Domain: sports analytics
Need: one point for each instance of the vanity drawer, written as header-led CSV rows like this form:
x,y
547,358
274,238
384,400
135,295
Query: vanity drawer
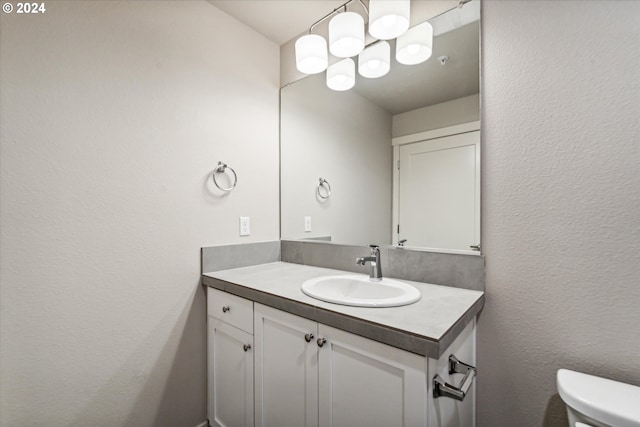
x,y
230,309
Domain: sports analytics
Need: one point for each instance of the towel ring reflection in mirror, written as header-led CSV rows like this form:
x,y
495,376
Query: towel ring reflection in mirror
x,y
324,184
221,168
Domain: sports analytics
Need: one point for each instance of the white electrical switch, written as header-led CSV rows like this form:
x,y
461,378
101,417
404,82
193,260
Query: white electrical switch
x,y
307,224
245,226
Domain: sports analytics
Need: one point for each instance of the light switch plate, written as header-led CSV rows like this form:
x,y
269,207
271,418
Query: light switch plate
x,y
245,226
307,224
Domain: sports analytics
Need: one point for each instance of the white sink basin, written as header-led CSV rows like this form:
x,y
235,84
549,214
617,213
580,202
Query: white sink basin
x,y
359,291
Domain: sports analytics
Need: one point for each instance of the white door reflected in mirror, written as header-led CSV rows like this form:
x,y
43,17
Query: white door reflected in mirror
x,y
439,192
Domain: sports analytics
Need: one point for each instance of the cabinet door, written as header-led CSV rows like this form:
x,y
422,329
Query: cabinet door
x,y
230,377
286,368
369,384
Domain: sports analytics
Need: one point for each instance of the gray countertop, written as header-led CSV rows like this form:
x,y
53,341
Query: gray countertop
x,y
426,327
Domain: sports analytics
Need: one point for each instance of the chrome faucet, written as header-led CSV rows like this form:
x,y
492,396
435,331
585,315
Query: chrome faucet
x,y
375,274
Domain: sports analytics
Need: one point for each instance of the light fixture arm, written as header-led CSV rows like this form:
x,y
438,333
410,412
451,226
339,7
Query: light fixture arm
x,y
364,6
335,11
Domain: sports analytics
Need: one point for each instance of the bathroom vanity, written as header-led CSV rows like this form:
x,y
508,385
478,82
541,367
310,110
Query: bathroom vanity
x,y
391,162
278,357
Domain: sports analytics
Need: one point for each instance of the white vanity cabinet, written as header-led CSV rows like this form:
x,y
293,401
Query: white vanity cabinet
x,y
230,360
302,373
309,374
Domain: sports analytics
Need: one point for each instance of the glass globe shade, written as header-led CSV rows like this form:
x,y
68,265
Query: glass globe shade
x,y
311,54
341,75
388,18
375,61
346,34
415,46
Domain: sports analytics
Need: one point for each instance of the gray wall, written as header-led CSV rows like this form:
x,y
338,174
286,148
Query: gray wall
x,y
450,113
113,116
345,139
561,202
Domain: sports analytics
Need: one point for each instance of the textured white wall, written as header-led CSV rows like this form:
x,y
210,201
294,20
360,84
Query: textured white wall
x,y
561,202
345,139
114,113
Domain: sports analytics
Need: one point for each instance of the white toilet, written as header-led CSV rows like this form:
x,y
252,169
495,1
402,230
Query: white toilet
x,y
598,402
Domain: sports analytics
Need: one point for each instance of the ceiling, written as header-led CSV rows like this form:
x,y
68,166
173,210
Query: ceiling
x,y
278,20
407,87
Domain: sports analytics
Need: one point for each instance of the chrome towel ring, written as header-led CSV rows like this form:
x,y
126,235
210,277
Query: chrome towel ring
x,y
327,189
221,168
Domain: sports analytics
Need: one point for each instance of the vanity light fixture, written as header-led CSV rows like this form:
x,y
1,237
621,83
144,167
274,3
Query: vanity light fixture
x,y
388,18
341,75
375,60
415,46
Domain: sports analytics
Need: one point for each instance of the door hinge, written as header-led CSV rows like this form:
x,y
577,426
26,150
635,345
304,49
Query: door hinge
x,y
398,164
398,228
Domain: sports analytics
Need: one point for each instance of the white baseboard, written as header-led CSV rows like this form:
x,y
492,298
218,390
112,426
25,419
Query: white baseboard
x,y
203,424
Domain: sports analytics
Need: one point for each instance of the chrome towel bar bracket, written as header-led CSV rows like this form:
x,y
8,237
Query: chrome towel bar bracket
x,y
441,388
221,168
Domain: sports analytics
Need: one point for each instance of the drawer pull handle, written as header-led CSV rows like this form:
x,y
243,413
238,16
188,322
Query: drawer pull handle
x,y
308,337
441,388
226,308
246,347
321,341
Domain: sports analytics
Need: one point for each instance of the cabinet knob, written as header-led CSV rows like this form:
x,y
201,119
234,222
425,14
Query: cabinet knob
x,y
308,337
321,341
246,347
226,308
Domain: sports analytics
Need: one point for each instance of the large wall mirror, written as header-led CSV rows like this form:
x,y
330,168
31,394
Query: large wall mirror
x,y
394,159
